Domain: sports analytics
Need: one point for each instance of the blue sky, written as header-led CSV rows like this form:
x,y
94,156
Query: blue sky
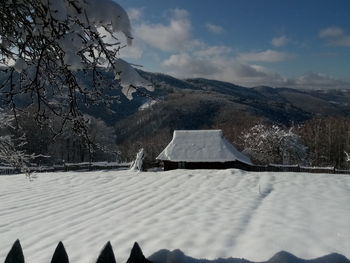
x,y
299,43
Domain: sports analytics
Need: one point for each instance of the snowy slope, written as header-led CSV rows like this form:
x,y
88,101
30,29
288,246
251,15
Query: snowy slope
x,y
206,214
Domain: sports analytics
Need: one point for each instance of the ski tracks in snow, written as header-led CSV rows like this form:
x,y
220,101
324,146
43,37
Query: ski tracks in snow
x,y
260,187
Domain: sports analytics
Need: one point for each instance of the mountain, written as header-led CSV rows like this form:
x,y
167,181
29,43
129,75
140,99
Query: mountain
x,y
201,101
202,104
281,105
151,117
204,98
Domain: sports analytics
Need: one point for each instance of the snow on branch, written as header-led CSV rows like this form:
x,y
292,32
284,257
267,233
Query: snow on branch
x,y
274,144
55,56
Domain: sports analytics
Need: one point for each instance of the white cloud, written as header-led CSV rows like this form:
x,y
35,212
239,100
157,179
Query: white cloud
x,y
135,14
343,41
135,51
175,36
216,29
224,67
331,32
335,36
186,65
265,56
212,51
188,57
279,41
314,80
220,67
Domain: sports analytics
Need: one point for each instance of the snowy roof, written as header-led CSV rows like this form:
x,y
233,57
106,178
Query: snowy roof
x,y
201,146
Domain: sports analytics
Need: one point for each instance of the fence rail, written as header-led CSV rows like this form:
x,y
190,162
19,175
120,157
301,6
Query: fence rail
x,y
66,168
296,169
112,166
60,255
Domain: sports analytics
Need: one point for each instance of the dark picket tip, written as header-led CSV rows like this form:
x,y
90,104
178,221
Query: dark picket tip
x,y
106,255
60,255
136,255
16,254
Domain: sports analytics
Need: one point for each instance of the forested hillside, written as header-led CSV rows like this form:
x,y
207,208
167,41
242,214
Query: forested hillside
x,y
120,128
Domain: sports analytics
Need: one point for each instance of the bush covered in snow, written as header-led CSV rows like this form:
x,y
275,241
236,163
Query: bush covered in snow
x,y
273,144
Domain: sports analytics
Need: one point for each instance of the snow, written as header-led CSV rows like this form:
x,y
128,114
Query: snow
x,y
88,23
20,65
103,12
95,12
130,79
205,213
347,156
147,105
201,146
137,163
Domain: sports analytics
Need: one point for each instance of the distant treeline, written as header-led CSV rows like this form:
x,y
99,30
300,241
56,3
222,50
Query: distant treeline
x,y
323,142
320,142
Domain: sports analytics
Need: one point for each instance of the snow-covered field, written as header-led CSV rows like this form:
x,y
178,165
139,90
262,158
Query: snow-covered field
x,y
206,214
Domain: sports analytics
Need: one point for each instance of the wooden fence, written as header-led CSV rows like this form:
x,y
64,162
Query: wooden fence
x,y
295,169
136,256
112,166
9,170
60,255
66,168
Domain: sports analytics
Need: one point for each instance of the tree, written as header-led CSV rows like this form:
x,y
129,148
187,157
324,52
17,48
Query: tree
x,y
273,145
104,140
67,146
326,139
11,153
45,44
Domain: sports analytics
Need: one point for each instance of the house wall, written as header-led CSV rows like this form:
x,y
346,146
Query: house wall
x,y
170,165
204,165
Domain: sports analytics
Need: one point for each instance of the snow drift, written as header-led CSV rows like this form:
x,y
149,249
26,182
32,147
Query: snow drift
x,y
205,213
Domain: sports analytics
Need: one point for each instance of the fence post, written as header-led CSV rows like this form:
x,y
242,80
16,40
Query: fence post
x,y
136,255
16,254
60,254
106,255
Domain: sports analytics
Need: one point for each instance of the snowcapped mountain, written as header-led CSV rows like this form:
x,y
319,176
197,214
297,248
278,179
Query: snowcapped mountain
x,y
205,98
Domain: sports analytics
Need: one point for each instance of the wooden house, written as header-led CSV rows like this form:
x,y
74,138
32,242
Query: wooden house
x,y
202,149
